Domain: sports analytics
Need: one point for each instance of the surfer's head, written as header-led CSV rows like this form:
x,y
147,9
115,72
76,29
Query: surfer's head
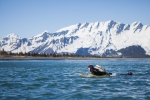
x,y
129,73
90,67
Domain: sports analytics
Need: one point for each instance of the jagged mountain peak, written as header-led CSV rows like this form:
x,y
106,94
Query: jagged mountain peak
x,y
110,21
85,24
72,27
41,34
136,24
12,35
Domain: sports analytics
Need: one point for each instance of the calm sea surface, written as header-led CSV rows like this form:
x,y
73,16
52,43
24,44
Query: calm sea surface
x,y
59,79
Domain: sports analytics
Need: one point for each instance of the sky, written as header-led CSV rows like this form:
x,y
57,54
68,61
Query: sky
x,y
28,18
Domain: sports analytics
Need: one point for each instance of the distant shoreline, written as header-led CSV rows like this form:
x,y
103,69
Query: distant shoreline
x,y
60,58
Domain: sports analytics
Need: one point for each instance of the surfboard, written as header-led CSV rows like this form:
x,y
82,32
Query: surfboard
x,y
94,76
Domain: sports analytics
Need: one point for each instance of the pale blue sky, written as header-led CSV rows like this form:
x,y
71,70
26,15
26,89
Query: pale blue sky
x,y
27,18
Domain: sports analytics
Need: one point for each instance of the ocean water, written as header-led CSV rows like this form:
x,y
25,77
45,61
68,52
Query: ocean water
x,y
60,80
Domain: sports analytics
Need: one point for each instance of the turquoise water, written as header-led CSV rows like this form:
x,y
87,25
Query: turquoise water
x,y
59,79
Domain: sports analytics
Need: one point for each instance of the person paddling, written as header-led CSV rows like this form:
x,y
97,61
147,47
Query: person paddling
x,y
100,71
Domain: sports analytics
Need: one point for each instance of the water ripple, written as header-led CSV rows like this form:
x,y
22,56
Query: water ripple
x,y
59,79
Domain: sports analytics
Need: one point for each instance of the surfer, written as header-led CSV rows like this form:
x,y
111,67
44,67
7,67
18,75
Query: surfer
x,y
100,71
97,70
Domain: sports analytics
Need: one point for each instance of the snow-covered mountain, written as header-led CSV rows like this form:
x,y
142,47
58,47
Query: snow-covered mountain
x,y
97,38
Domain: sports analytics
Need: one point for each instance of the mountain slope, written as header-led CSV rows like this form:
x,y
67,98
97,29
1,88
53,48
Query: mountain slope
x,y
86,38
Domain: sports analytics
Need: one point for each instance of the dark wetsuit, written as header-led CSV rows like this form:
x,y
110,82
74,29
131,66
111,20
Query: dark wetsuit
x,y
95,71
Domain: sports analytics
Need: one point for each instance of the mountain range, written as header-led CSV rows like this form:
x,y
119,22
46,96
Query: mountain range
x,y
110,39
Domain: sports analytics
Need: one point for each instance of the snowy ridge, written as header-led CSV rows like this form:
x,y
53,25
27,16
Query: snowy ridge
x,y
96,38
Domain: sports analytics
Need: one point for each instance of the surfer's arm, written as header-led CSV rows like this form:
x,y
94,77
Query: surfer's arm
x,y
97,72
129,73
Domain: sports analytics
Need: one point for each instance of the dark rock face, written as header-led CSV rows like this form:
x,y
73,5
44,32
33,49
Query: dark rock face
x,y
110,53
133,51
83,51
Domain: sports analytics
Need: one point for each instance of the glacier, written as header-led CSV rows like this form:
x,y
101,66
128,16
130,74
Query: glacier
x,y
96,38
